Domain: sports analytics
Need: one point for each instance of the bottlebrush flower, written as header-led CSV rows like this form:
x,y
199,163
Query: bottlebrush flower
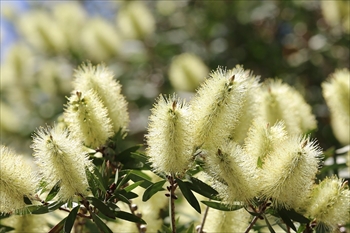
x,y
61,158
281,102
263,139
100,79
16,181
329,203
336,92
216,107
169,144
233,171
289,171
249,108
227,221
87,119
186,72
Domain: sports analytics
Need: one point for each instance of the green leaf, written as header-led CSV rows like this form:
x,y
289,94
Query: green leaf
x,y
100,224
201,188
55,205
101,184
294,215
132,186
301,228
268,224
129,195
138,175
165,229
221,206
124,178
153,189
116,176
68,224
286,219
125,155
53,192
186,191
129,217
94,181
59,227
4,229
122,198
4,215
190,229
38,209
102,207
27,200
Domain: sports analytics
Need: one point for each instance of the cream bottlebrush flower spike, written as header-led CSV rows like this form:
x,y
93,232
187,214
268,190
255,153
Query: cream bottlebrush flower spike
x,y
216,107
87,119
100,79
233,171
16,181
281,102
170,147
329,203
61,158
263,139
249,108
227,221
336,91
289,172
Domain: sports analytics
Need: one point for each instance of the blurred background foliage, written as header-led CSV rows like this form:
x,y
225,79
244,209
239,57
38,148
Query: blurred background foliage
x,y
158,47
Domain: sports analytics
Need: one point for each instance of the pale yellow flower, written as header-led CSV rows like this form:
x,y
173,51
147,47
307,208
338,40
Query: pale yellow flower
x,y
227,221
329,203
233,171
280,102
135,21
87,119
289,172
61,158
100,79
186,72
16,181
336,92
169,144
217,105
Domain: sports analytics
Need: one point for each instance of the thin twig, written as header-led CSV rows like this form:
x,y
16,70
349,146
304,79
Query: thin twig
x,y
172,198
251,224
260,212
204,218
132,209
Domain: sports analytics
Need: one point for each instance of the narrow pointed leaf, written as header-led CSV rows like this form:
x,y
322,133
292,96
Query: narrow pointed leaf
x,y
153,189
129,217
286,219
102,207
190,229
59,227
116,176
191,199
132,186
100,224
55,205
53,192
294,215
221,206
268,224
4,228
27,200
124,155
201,188
68,224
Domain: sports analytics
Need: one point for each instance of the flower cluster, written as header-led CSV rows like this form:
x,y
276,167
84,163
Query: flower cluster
x,y
96,109
251,137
